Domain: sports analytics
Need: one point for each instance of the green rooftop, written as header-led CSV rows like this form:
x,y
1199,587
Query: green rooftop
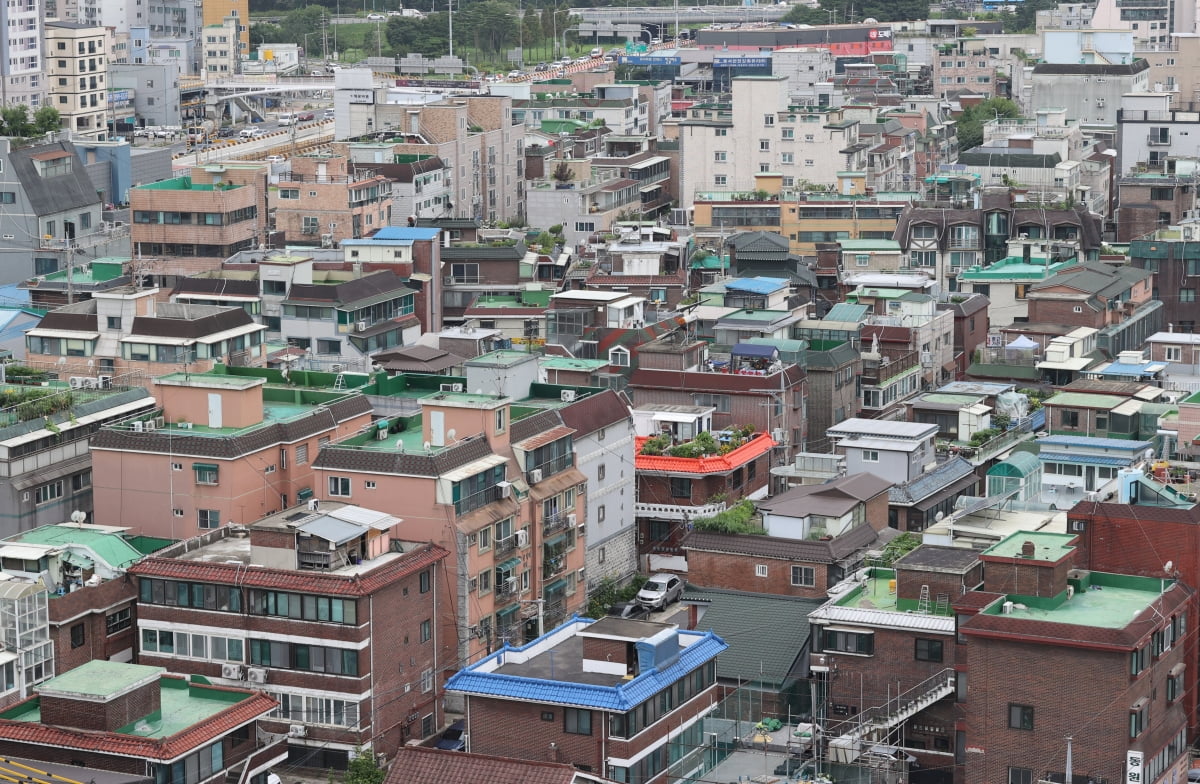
x,y
183,704
1106,601
571,363
1015,268
99,271
875,594
108,545
1047,547
855,245
501,357
186,184
1084,400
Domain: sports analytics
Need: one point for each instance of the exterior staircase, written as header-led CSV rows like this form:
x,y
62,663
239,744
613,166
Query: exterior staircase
x,y
874,724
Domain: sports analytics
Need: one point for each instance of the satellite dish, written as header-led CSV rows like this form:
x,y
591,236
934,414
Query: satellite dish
x,y
452,434
79,516
427,446
1168,566
937,518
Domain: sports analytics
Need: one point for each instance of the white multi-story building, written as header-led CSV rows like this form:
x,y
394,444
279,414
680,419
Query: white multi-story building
x,y
21,72
727,146
77,72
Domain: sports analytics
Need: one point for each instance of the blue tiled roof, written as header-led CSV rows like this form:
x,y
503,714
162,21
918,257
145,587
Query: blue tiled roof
x,y
1120,444
621,697
1061,457
758,285
846,311
406,233
1126,369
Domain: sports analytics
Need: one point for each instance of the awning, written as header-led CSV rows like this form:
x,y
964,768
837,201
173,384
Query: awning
x,y
217,337
647,163
205,467
157,340
1128,408
507,611
754,350
62,333
557,540
22,552
650,188
78,559
509,565
557,484
557,585
473,468
424,277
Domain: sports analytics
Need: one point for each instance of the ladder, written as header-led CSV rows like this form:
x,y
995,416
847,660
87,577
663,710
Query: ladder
x,y
340,382
923,602
943,604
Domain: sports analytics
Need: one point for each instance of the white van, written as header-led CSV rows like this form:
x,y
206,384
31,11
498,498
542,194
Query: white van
x,y
250,133
287,119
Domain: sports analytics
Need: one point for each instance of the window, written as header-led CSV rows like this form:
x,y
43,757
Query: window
x,y
681,487
848,642
1068,418
1020,776
1137,718
118,621
426,681
928,650
870,456
619,357
804,576
8,197
1175,686
339,485
301,454
1020,717
48,492
1173,354
424,581
720,156
329,346
862,259
577,721
1187,295
500,419
760,570
208,518
922,258
206,473
924,231
426,630
78,635
764,145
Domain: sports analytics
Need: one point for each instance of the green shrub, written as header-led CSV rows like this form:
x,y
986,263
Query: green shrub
x,y
609,592
737,519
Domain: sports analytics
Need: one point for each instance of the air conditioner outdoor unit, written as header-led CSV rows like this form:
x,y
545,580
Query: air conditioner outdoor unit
x,y
511,583
535,476
360,326
473,585
151,425
505,490
456,387
567,396
160,422
139,426
231,671
256,675
297,731
572,519
446,387
779,435
91,383
105,382
522,538
76,382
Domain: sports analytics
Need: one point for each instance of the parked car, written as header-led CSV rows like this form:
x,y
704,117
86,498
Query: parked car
x,y
250,133
376,17
514,74
329,115
452,737
306,116
276,158
227,132
629,610
660,590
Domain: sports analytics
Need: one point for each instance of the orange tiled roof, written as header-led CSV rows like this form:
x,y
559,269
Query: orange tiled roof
x,y
716,464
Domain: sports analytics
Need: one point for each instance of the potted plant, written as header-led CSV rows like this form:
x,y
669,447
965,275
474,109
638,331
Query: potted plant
x,y
562,175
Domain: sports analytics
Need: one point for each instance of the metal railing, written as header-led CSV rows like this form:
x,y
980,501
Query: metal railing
x,y
478,499
554,522
553,466
554,565
506,545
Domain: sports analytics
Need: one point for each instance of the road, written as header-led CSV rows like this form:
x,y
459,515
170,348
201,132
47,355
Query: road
x,y
221,152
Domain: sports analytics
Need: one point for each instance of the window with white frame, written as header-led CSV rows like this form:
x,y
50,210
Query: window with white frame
x,y
760,570
804,576
870,456
619,356
339,485
1173,353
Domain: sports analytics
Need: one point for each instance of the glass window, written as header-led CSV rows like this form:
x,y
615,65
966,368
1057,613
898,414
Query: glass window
x,y
1020,717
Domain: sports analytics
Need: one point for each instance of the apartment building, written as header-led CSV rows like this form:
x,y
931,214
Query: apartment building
x,y
1153,200
1007,282
504,495
476,135
323,199
727,145
291,605
125,334
1116,300
23,81
963,66
77,75
215,732
29,656
222,447
1141,653
1174,261
625,699
192,223
1094,92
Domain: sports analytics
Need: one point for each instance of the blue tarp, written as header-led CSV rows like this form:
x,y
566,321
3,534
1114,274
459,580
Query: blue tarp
x,y
754,350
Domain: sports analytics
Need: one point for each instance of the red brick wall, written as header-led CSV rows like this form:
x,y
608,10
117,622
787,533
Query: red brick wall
x,y
516,729
910,581
109,716
1063,312
91,606
736,573
867,681
1027,579
608,650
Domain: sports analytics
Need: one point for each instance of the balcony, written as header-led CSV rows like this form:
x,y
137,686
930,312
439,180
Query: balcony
x,y
552,566
506,589
478,499
677,511
550,467
1158,140
505,546
462,280
555,522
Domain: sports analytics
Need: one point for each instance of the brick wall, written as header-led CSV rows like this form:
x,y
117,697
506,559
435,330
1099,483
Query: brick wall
x,y
867,681
910,581
90,606
518,729
1056,311
737,573
608,650
106,717
1027,579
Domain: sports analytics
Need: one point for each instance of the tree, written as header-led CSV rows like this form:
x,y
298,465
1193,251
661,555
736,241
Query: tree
x,y
363,769
46,120
970,122
490,26
14,121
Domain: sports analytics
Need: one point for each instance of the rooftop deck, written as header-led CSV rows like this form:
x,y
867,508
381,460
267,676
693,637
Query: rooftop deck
x,y
1107,601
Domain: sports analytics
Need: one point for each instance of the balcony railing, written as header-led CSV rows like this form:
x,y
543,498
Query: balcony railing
x,y
477,499
505,588
506,545
1155,140
553,566
551,467
555,522
462,280
554,613
677,511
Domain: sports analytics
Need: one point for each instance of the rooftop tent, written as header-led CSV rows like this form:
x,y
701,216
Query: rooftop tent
x,y
755,351
1022,343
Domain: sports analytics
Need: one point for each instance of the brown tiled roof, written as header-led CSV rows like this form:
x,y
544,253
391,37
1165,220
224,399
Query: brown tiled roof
x,y
593,412
233,446
255,705
801,550
382,461
721,382
833,498
241,288
206,324
543,438
534,424
324,583
416,765
351,291
976,600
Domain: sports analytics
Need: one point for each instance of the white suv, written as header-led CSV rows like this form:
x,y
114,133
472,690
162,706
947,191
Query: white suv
x,y
660,590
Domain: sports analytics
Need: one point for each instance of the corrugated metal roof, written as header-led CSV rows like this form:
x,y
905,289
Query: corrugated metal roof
x,y
757,285
1094,442
1086,459
832,613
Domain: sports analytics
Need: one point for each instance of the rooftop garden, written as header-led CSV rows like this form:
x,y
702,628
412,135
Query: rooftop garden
x,y
703,445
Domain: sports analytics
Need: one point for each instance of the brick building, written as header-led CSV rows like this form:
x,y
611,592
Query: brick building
x,y
331,610
136,719
416,765
1115,299
1175,261
1129,634
971,324
223,447
323,199
503,494
674,489
624,699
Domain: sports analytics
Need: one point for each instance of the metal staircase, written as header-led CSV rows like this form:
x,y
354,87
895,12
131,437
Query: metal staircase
x,y
874,724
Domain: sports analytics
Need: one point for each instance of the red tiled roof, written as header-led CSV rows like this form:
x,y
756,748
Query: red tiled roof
x,y
417,765
717,464
180,744
290,579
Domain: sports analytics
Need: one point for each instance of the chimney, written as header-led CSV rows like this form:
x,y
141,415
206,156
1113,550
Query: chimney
x,y
1027,549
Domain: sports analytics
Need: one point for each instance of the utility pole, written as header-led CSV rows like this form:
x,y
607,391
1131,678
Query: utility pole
x,y
72,244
